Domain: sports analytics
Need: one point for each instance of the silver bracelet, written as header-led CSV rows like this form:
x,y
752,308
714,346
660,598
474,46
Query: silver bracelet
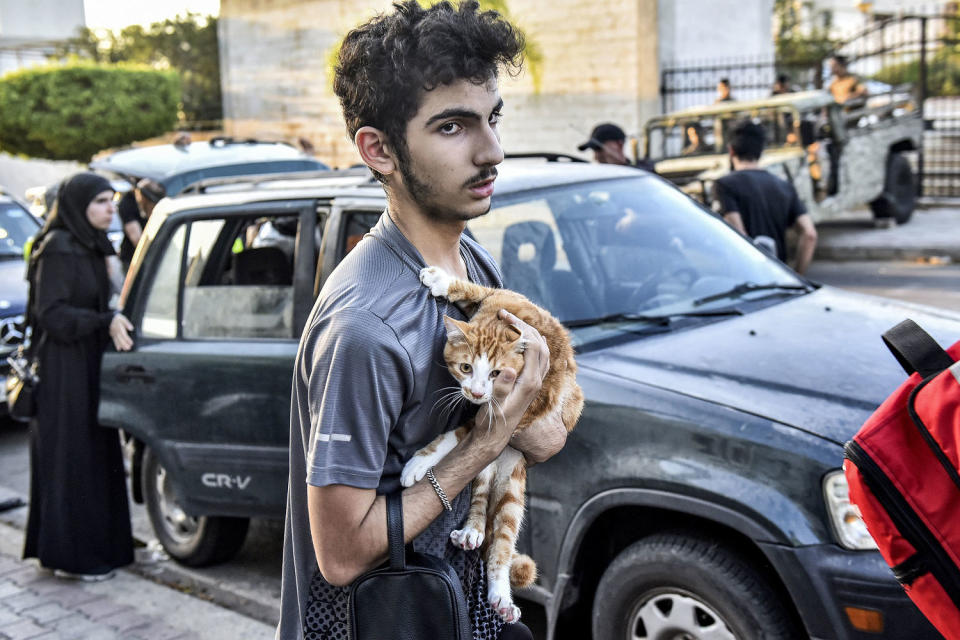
x,y
436,487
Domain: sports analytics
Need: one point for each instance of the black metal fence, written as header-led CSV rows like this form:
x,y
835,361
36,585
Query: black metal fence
x,y
916,53
695,84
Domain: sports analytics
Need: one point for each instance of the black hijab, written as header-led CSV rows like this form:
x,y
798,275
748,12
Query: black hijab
x,y
70,213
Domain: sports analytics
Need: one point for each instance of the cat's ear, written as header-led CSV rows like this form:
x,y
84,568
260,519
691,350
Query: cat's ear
x,y
454,330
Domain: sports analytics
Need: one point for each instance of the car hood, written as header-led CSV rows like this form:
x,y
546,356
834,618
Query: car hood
x,y
816,362
13,287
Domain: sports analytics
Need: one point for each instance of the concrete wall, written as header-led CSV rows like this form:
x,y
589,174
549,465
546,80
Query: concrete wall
x,y
274,67
601,62
28,28
41,20
695,31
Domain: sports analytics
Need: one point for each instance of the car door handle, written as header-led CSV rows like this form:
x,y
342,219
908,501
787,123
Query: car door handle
x,y
127,372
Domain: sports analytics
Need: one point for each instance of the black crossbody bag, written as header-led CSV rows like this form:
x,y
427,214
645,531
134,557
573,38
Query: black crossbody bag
x,y
413,597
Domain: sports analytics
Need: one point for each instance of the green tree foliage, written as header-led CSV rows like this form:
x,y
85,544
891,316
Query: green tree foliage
x,y
71,112
801,42
943,63
187,44
943,73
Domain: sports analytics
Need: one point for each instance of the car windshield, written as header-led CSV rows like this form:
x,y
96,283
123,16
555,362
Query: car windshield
x,y
625,250
16,227
704,135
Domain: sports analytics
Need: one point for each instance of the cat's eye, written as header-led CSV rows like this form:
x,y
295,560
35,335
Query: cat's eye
x,y
465,368
495,373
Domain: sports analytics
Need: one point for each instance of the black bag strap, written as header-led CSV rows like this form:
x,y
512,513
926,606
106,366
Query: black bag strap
x,y
398,559
915,350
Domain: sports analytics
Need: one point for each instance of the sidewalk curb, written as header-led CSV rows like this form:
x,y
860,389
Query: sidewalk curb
x,y
166,573
172,575
852,253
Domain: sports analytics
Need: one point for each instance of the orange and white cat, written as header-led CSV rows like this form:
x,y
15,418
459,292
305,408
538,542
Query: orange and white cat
x,y
475,353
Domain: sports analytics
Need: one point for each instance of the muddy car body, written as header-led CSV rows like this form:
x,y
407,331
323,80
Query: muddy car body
x,y
838,158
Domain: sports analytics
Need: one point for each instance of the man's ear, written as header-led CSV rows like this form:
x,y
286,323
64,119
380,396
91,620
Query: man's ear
x,y
454,330
374,150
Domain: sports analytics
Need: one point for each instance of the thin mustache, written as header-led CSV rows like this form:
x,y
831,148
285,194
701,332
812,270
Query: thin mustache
x,y
483,176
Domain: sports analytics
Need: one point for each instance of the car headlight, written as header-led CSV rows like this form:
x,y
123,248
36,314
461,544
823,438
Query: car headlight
x,y
848,526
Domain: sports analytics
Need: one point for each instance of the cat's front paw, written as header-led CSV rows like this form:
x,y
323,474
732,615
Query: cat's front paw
x,y
437,280
467,538
503,605
415,470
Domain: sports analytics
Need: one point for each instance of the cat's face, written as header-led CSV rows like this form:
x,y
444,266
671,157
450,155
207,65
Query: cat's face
x,y
476,353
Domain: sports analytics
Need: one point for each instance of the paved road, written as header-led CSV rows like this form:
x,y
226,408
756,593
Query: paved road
x,y
919,282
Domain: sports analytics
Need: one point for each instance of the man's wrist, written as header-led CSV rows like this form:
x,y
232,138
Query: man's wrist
x,y
487,443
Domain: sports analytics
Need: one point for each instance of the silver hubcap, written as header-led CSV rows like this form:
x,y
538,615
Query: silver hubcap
x,y
178,525
672,615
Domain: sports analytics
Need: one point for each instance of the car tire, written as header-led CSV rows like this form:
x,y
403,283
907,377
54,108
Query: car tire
x,y
193,541
688,584
899,197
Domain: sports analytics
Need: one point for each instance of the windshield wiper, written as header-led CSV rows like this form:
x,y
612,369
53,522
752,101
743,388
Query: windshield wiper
x,y
657,319
749,287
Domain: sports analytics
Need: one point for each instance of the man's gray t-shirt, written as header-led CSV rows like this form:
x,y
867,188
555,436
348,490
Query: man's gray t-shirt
x,y
368,380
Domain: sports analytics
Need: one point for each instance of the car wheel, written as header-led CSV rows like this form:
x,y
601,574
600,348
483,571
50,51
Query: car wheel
x,y
195,541
682,586
899,197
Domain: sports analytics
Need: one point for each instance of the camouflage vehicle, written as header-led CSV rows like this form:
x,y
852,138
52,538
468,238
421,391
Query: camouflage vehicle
x,y
836,157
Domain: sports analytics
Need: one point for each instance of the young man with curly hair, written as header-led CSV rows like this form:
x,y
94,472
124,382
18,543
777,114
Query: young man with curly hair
x,y
418,88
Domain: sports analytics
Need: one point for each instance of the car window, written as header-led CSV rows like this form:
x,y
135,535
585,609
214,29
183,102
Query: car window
x,y
239,278
622,246
697,135
358,224
16,227
160,313
236,277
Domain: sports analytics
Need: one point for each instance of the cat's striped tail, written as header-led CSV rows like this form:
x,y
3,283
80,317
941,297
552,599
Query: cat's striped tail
x,y
523,571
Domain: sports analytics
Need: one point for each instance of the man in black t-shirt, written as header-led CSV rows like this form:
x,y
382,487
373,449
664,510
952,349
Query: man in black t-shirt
x,y
760,205
135,207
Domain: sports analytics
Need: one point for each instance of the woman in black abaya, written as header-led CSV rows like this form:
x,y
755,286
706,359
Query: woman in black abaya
x,y
79,522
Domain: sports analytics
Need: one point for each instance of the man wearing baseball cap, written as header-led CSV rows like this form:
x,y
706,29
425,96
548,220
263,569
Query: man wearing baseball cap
x,y
607,142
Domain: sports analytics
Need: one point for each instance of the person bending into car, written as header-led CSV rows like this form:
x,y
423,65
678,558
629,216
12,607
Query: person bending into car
x,y
79,520
419,93
607,141
135,208
760,205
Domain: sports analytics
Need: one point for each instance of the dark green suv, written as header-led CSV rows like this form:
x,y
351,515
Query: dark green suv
x,y
701,492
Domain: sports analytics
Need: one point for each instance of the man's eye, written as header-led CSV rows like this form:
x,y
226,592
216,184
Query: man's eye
x,y
495,373
466,368
450,128
495,117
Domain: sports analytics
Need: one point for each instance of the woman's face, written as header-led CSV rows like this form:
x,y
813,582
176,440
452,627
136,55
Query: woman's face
x,y
100,210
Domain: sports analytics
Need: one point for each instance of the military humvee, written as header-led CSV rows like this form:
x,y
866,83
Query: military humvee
x,y
837,157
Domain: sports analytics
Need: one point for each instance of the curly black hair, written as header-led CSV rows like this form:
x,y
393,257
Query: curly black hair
x,y
386,63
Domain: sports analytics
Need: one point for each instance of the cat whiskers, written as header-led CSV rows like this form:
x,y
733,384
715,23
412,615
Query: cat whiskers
x,y
447,402
493,405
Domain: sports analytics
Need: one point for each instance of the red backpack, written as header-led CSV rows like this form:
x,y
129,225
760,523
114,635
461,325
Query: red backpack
x,y
901,467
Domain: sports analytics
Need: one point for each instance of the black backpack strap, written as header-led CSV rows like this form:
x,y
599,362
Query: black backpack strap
x,y
915,350
398,559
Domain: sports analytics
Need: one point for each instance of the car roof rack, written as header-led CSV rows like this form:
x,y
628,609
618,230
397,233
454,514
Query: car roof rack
x,y
255,181
546,155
